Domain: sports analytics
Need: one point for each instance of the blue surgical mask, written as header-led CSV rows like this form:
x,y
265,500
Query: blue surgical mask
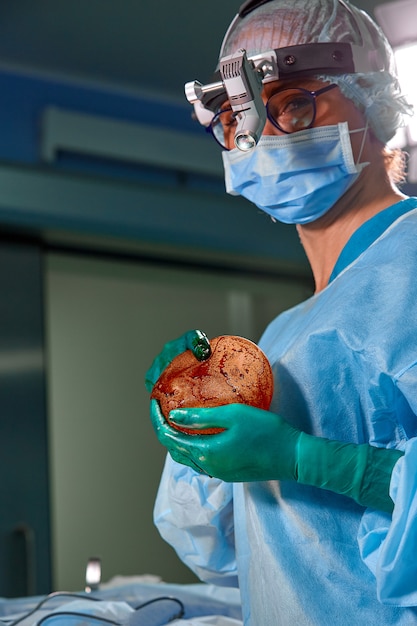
x,y
295,178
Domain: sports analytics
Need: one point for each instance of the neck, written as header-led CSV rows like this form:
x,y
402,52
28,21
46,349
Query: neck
x,y
324,239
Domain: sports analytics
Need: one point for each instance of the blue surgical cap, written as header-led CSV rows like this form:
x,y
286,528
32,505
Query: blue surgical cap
x,y
280,23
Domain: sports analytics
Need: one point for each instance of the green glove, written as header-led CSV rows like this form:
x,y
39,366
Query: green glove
x,y
194,340
259,445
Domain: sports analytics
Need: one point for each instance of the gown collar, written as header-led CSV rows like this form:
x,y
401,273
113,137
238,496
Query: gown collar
x,y
369,232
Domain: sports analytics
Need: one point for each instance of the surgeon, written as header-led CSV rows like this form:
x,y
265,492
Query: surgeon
x,y
310,507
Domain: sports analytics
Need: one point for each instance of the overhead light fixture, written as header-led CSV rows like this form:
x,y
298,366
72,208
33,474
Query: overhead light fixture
x,y
406,61
398,20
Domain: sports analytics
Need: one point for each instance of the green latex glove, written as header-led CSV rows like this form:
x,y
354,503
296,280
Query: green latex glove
x,y
258,445
194,340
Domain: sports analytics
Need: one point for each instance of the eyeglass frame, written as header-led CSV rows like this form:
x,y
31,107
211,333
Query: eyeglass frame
x,y
313,94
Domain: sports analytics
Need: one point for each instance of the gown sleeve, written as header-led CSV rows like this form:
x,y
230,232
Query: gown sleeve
x,y
388,545
194,514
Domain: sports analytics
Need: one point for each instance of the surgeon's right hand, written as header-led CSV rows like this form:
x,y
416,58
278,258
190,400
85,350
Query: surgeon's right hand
x,y
194,340
275,450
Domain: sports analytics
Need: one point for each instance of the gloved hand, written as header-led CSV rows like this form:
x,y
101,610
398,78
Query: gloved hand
x,y
194,340
258,445
255,445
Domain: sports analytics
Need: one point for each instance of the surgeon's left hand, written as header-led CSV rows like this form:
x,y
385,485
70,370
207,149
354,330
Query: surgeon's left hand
x,y
254,445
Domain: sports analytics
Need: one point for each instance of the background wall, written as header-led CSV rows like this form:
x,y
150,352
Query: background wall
x,y
155,47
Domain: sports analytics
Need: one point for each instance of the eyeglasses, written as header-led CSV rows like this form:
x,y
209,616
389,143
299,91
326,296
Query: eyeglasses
x,y
289,110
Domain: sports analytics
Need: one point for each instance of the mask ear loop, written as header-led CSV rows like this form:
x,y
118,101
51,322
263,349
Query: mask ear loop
x,y
365,131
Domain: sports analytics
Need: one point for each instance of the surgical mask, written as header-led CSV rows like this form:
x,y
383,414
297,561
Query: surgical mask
x,y
295,178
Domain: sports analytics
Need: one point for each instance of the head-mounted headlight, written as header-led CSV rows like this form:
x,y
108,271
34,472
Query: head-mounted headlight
x,y
240,78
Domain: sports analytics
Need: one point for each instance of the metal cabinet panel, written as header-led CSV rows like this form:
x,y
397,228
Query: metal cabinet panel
x,y
24,503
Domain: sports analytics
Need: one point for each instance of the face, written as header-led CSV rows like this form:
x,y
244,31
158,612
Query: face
x,y
331,107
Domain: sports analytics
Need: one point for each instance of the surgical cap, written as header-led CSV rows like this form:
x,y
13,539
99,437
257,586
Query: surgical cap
x,y
281,23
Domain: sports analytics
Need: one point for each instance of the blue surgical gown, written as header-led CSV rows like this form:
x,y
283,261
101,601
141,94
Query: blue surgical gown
x,y
345,362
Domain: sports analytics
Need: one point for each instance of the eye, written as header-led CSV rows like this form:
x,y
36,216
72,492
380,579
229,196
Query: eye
x,y
227,117
223,126
293,105
291,110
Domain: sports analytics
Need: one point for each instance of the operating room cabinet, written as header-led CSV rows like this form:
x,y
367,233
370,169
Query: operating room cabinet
x,y
24,498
